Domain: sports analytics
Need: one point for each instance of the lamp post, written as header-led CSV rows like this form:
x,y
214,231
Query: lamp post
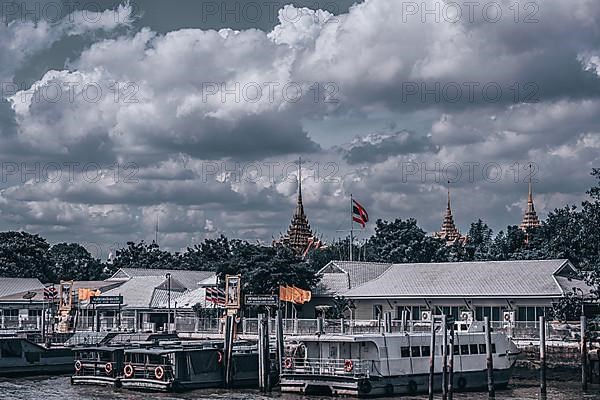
x,y
168,276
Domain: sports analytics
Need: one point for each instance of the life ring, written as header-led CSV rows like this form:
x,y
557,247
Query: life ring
x,y
159,372
348,366
365,387
108,368
462,383
128,371
288,363
78,366
412,387
219,357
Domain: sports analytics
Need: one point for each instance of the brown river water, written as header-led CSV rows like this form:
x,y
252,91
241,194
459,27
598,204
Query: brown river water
x,y
59,387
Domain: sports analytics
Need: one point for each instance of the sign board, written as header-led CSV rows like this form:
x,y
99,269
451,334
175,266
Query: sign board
x,y
232,291
106,300
261,300
66,295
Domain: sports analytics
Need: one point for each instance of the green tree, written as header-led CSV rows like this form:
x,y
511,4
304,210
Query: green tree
x,y
144,255
479,243
73,261
23,255
403,241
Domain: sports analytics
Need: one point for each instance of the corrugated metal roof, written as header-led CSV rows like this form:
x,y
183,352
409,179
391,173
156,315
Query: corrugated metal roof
x,y
465,279
190,298
189,279
10,286
139,291
339,276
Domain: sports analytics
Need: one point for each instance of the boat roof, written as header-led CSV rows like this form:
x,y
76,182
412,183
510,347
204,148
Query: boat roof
x,y
167,350
99,348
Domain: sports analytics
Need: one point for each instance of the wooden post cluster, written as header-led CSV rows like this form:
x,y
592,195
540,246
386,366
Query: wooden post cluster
x,y
584,355
264,372
489,358
432,359
543,392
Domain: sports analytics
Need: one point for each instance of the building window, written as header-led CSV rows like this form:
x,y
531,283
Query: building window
x,y
425,351
530,313
377,311
416,313
474,349
464,349
493,313
404,352
415,351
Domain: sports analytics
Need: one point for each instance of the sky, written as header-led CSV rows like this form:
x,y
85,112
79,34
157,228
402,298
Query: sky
x,y
114,116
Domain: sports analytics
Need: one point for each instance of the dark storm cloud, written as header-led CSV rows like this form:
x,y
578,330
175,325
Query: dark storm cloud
x,y
378,147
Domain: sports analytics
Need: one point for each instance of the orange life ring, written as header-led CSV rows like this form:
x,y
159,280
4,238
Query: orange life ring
x,y
108,368
159,372
288,363
219,357
128,371
348,366
78,366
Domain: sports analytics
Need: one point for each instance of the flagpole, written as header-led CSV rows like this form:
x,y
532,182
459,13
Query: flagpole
x,y
351,227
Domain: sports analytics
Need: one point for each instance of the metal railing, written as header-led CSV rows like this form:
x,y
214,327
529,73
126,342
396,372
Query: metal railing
x,y
329,367
148,371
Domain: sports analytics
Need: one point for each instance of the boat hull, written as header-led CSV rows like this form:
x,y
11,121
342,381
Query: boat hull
x,y
386,386
154,385
95,380
36,369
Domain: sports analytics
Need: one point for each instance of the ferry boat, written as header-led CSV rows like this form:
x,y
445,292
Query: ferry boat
x,y
21,356
187,366
98,365
394,363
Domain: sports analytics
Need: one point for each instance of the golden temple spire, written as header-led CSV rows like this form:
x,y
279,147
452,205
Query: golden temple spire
x,y
530,218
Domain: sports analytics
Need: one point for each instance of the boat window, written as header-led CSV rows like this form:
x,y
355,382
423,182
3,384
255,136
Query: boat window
x,y
425,351
404,352
105,356
415,351
474,349
156,359
493,347
464,349
482,349
456,350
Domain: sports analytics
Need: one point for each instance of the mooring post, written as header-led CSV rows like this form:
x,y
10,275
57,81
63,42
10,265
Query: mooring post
x,y
432,358
584,355
227,344
444,357
542,358
451,364
279,339
265,354
489,358
261,361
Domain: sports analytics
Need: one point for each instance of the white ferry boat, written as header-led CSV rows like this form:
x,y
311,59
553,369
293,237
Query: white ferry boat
x,y
394,363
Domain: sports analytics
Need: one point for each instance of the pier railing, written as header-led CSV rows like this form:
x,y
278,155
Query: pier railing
x,y
328,367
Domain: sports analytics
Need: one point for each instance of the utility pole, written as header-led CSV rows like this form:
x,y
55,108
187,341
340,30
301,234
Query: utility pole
x,y
168,276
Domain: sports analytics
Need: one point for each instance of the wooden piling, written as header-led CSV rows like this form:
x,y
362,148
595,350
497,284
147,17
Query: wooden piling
x,y
444,357
280,346
543,393
261,361
432,358
451,364
584,355
489,358
228,350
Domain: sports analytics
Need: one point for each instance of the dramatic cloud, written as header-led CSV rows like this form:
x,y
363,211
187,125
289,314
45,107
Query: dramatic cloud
x,y
203,126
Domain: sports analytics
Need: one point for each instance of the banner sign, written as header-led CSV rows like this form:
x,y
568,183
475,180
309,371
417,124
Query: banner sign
x,y
261,300
106,300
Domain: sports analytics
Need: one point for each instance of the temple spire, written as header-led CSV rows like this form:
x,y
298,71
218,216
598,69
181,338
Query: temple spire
x,y
449,232
530,218
299,233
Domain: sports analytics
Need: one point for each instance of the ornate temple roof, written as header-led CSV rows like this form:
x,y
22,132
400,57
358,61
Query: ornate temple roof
x,y
449,232
299,233
530,218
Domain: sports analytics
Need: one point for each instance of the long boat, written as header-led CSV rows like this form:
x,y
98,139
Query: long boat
x,y
391,364
21,356
98,365
187,366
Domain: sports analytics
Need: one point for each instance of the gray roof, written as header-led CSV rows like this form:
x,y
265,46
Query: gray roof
x,y
339,276
467,279
139,292
189,299
10,286
189,279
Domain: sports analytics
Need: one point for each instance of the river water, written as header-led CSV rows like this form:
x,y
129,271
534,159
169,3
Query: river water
x,y
59,387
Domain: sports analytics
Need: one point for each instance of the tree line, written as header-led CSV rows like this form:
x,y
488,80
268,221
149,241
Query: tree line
x,y
571,232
